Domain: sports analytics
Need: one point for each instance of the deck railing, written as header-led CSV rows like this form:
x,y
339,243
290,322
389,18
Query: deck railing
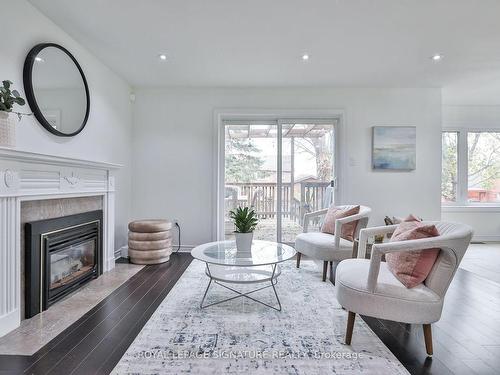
x,y
303,197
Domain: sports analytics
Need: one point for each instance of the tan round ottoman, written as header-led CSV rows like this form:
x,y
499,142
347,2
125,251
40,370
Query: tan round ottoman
x,y
149,241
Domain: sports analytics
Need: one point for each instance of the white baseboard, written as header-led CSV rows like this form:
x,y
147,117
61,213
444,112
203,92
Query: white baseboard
x,y
118,252
122,252
184,248
486,238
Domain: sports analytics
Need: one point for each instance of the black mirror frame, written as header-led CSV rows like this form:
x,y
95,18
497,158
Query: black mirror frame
x,y
30,95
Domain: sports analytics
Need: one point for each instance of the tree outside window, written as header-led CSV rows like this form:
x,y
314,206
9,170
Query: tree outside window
x,y
481,150
483,167
244,161
449,174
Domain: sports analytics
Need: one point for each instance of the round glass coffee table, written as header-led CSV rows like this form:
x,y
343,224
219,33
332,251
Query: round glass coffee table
x,y
226,265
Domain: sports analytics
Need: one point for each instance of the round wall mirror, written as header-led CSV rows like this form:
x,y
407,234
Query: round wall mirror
x,y
56,89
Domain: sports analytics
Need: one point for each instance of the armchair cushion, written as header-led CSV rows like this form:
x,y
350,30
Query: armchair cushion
x,y
390,300
335,213
412,268
322,246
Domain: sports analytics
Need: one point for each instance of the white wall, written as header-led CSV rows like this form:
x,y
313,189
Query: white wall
x,y
173,146
474,90
107,136
485,221
471,116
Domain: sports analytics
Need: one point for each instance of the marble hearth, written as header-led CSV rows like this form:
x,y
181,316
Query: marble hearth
x,y
37,186
36,332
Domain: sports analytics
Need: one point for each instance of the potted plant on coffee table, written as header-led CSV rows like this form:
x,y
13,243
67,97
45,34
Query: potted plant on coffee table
x,y
8,98
245,221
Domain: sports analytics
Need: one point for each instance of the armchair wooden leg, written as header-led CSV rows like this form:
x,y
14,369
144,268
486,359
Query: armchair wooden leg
x,y
350,327
299,255
333,270
428,339
325,269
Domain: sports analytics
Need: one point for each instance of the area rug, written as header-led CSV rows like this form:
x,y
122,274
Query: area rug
x,y
241,336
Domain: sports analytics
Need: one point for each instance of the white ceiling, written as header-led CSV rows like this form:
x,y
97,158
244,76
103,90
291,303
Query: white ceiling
x,y
354,43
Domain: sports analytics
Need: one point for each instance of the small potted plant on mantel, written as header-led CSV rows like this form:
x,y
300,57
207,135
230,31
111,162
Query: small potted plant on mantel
x,y
245,221
8,98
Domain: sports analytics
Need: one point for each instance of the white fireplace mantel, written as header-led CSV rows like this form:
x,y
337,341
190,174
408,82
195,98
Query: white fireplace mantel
x,y
33,176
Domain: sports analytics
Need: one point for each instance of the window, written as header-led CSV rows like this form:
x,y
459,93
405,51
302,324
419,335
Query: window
x,y
449,172
483,167
470,167
281,168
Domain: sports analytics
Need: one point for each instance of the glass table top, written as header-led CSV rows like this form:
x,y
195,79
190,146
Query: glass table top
x,y
225,253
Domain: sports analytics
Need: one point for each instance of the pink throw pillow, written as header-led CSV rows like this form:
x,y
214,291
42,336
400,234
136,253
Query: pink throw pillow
x,y
410,217
335,213
412,267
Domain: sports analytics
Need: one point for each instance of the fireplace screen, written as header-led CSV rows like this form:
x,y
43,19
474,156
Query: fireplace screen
x,y
62,254
71,263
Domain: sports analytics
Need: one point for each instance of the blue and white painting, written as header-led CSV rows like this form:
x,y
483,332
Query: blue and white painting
x,y
394,147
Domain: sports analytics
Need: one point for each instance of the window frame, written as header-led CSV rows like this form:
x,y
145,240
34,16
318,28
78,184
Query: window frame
x,y
462,204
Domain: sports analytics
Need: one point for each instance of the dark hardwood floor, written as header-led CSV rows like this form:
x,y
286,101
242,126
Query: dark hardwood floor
x,y
466,339
96,342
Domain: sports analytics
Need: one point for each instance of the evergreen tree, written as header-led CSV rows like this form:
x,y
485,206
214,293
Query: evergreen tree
x,y
243,162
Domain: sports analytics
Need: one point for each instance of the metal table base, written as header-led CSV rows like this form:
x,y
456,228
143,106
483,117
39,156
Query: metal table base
x,y
273,280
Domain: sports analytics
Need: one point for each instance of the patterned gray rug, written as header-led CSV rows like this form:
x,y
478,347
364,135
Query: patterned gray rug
x,y
242,336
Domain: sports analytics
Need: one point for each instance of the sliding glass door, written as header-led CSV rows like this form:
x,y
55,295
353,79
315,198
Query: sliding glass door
x,y
281,168
250,174
308,159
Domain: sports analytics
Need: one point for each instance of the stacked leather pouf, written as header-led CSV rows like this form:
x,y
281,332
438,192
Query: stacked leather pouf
x,y
149,241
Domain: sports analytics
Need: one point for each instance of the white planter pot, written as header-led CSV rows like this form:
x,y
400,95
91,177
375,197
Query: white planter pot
x,y
8,122
244,241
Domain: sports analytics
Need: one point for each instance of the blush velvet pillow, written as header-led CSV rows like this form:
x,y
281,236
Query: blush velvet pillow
x,y
335,213
412,267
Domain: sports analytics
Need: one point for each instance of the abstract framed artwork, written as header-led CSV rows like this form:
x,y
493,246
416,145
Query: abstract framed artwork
x,y
394,148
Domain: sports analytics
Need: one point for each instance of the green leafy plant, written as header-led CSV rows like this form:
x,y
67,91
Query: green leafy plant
x,y
9,97
245,219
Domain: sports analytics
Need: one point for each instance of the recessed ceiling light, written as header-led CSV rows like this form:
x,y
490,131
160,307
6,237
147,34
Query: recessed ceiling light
x,y
162,57
39,59
305,57
437,57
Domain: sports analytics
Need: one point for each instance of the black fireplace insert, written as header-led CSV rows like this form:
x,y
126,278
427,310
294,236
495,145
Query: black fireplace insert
x,y
62,254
